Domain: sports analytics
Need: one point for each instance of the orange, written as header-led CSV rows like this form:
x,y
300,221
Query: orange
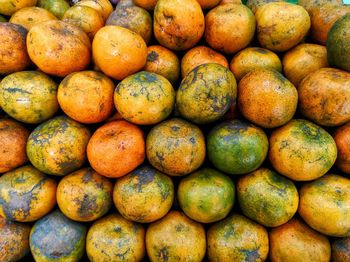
x,y
30,16
342,139
13,48
296,242
84,195
208,4
14,241
134,18
164,62
116,148
8,7
86,96
309,5
86,18
324,97
118,52
272,104
146,4
255,4
58,48
104,7
200,55
13,140
229,28
303,60
281,26
178,24
252,58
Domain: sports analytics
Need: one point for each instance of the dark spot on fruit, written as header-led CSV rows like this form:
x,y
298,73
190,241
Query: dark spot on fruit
x,y
250,255
68,165
152,56
175,128
179,228
144,176
163,254
87,177
117,229
121,256
87,206
261,50
13,90
192,140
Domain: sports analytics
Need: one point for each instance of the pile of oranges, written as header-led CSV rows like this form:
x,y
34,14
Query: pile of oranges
x,y
174,130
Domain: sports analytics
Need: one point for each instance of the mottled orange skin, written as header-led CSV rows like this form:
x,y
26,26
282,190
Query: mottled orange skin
x,y
145,195
134,18
324,97
267,197
175,238
178,24
13,140
57,146
252,58
223,2
229,28
311,4
146,4
280,25
296,242
84,17
58,48
237,238
86,96
113,238
104,7
272,104
14,241
30,16
342,139
208,4
13,48
176,147
118,52
8,7
341,250
255,4
200,55
162,61
301,150
325,205
303,60
152,97
84,195
26,194
116,148
322,19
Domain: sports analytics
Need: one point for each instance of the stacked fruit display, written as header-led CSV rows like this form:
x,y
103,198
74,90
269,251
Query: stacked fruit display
x,y
174,130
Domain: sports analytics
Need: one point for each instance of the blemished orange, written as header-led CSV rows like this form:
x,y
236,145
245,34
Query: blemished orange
x,y
201,55
178,24
104,7
86,18
163,61
58,48
229,28
119,52
13,140
116,148
342,139
86,96
30,16
13,48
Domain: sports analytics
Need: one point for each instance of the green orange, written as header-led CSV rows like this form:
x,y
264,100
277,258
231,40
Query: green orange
x,y
237,147
152,98
57,146
29,96
206,195
267,198
206,93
